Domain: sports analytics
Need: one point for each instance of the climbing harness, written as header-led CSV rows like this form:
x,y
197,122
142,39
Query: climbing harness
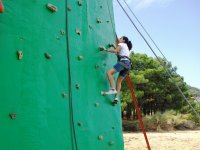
x,y
124,65
1,7
124,58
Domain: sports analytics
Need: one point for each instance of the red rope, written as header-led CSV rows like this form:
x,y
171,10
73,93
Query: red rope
x,y
1,7
138,110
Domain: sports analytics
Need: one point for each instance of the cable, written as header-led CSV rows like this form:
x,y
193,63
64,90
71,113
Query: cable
x,y
147,33
158,60
70,86
145,30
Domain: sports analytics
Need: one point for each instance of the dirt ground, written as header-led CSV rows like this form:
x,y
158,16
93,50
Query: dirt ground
x,y
176,140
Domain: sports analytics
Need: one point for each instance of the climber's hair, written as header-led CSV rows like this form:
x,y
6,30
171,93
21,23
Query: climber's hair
x,y
126,40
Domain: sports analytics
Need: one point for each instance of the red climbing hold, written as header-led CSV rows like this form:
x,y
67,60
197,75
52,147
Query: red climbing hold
x,y
1,7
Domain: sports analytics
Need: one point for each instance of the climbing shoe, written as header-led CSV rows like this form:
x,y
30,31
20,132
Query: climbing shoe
x,y
111,91
115,101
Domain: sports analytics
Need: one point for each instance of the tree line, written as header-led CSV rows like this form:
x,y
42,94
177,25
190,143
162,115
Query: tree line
x,y
154,89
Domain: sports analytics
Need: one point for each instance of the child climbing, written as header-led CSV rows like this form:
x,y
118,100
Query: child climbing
x,y
123,66
1,7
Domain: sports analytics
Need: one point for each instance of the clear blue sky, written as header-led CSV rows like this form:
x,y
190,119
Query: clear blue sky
x,y
174,25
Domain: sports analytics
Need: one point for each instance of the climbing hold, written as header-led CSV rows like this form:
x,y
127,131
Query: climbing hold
x,y
107,21
48,56
80,2
69,8
111,142
58,37
111,45
78,86
62,32
64,95
97,104
80,124
52,7
100,137
102,48
99,20
1,7
78,31
96,66
13,116
90,26
21,39
103,93
19,54
80,58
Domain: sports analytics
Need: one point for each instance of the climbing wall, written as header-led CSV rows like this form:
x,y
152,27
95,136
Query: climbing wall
x,y
97,122
34,85
52,75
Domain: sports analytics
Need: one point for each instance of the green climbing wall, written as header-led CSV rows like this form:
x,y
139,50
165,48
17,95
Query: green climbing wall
x,y
52,74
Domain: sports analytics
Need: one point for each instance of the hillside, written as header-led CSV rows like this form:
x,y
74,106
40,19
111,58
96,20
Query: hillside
x,y
194,91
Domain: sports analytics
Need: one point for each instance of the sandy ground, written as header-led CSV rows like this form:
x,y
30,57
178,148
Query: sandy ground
x,y
176,140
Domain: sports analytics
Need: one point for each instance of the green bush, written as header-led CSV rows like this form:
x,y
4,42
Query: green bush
x,y
167,121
